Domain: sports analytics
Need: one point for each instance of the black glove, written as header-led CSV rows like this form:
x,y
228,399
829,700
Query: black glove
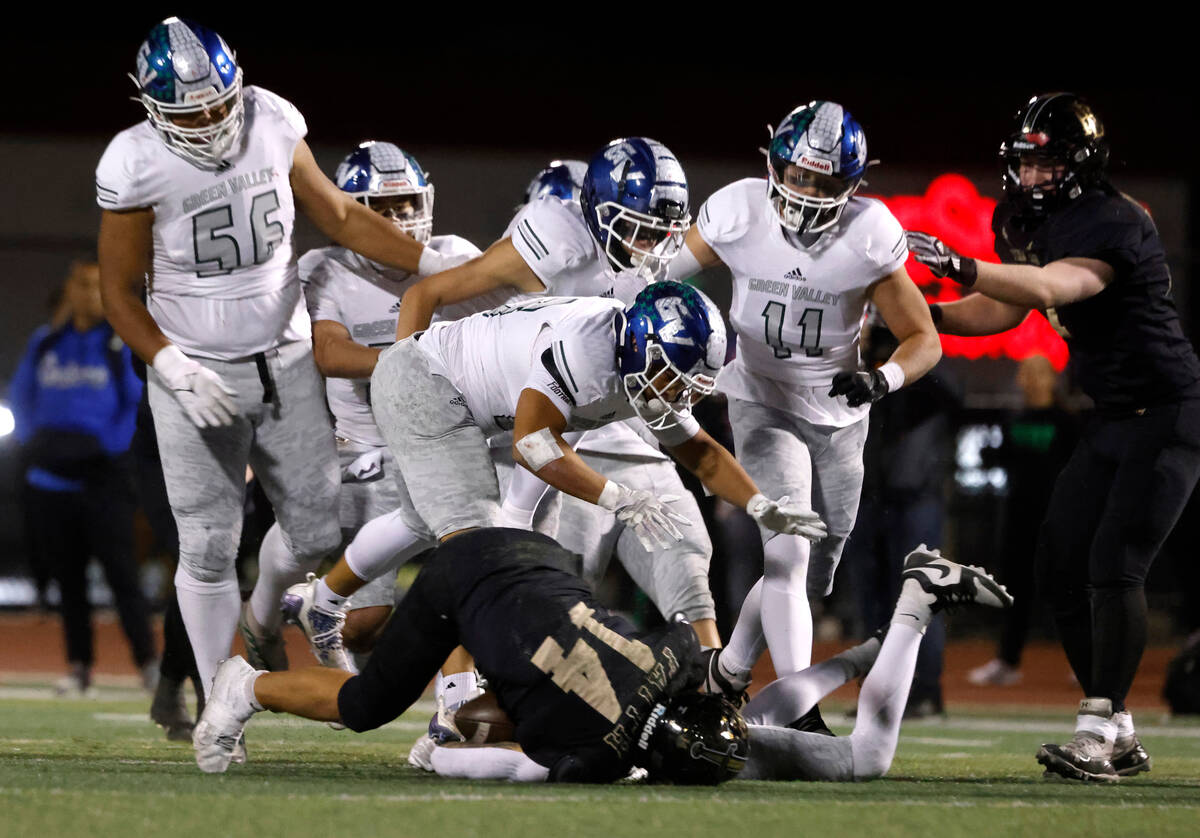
x,y
859,387
932,252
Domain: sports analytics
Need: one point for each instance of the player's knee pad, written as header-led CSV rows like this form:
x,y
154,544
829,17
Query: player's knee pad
x,y
317,541
683,588
822,564
206,553
786,560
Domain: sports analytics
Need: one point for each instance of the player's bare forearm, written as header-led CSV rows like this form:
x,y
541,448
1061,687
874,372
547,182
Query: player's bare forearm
x,y
124,248
338,356
976,315
1058,283
716,468
903,309
311,693
570,474
500,266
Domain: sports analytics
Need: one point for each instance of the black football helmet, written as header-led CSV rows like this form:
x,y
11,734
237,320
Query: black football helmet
x,y
694,740
1061,129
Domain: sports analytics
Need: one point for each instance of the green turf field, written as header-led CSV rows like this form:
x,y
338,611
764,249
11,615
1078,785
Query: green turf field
x,y
98,767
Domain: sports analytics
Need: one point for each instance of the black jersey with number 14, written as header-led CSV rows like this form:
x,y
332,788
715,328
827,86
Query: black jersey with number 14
x,y
577,681
1126,341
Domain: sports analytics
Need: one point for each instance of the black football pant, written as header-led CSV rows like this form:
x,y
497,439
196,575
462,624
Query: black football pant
x,y
67,529
416,641
1113,506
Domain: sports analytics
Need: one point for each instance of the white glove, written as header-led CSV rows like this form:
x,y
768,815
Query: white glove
x,y
786,517
204,396
651,520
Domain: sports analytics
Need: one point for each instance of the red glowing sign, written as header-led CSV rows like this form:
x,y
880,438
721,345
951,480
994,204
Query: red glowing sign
x,y
954,211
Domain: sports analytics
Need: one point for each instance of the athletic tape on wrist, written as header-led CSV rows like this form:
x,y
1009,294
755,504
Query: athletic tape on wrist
x,y
893,373
539,449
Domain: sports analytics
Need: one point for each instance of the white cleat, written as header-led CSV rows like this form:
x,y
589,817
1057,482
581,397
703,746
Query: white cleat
x,y
420,755
322,627
949,584
218,738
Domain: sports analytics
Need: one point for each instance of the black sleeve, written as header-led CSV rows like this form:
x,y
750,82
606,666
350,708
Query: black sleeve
x,y
1111,231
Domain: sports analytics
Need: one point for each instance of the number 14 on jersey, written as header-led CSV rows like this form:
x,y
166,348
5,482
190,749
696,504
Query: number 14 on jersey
x,y
810,330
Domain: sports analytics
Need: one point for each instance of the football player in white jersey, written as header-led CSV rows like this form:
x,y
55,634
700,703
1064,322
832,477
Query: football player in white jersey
x,y
352,301
807,255
198,207
676,579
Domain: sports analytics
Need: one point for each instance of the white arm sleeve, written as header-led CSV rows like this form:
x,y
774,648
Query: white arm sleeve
x,y
487,764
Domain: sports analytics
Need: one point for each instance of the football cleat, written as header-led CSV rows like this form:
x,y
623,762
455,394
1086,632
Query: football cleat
x,y
264,649
1129,757
811,722
1086,757
169,710
949,584
994,673
219,737
717,683
420,755
322,627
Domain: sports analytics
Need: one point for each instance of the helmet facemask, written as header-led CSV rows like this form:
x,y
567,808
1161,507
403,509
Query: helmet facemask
x,y
410,208
202,129
662,395
639,241
805,200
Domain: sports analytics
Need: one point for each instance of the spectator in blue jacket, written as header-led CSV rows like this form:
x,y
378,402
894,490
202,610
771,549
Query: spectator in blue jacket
x,y
74,398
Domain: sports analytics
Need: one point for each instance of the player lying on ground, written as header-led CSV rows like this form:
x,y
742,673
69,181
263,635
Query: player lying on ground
x,y
614,700
578,682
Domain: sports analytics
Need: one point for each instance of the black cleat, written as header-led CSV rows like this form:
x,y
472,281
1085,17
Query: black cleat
x,y
1129,757
1084,758
716,683
811,722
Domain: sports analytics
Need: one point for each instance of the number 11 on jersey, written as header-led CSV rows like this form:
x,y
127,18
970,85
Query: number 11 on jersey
x,y
810,330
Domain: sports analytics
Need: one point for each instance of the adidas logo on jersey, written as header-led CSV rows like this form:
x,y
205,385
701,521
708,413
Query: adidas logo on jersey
x,y
795,274
395,308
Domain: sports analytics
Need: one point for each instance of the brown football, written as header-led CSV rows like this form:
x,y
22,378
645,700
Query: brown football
x,y
481,720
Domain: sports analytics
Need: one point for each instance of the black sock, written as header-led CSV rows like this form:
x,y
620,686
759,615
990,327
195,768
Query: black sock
x,y
1073,616
178,662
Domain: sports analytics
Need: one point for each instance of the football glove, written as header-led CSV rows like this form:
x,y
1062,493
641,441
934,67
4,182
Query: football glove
x,y
933,253
785,517
861,387
651,520
205,397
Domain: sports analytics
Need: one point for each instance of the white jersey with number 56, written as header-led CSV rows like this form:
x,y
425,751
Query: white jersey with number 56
x,y
224,282
798,311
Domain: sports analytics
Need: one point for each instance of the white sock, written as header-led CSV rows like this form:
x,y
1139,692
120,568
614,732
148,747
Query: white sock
x,y
210,614
746,643
325,597
786,615
1096,717
458,688
881,703
250,696
1124,721
383,544
278,570
913,606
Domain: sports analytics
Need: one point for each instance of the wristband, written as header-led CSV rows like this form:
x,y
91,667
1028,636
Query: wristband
x,y
609,496
936,314
431,262
968,271
893,374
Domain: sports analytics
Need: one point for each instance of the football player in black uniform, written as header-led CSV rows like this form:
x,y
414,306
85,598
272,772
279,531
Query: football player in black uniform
x,y
588,696
1089,258
578,682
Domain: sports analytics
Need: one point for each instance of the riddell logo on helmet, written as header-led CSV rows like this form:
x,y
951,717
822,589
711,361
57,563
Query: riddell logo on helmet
x,y
655,716
815,164
395,184
204,95
1039,138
